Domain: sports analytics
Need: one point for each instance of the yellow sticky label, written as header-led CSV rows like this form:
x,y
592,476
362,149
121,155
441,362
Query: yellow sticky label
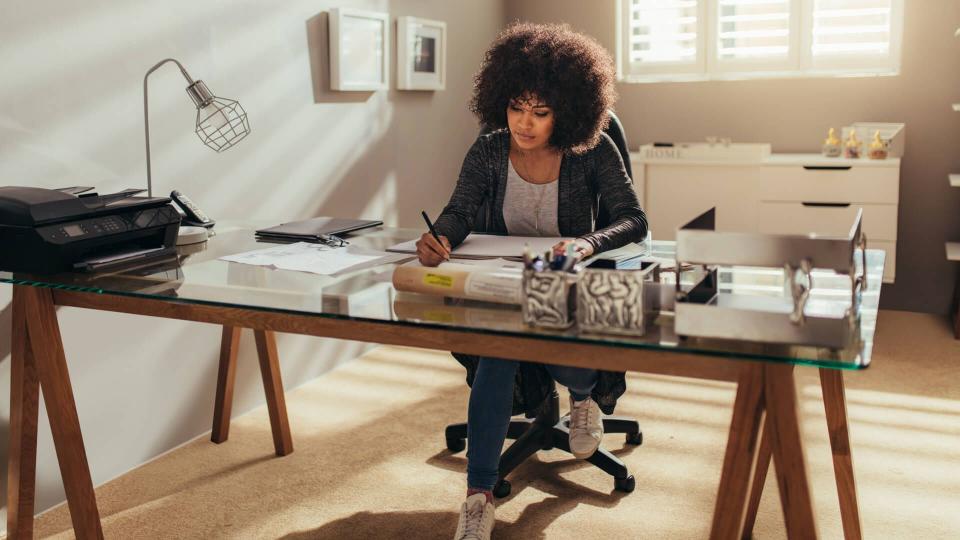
x,y
438,281
438,316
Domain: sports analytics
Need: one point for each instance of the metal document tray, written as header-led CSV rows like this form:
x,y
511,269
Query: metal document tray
x,y
794,318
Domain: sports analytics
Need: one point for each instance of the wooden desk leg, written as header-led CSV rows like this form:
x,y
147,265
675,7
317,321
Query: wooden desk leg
x,y
51,367
226,377
759,480
273,387
835,405
740,458
24,403
788,454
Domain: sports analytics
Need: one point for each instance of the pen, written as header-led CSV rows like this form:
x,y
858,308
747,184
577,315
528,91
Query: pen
x,y
433,231
430,226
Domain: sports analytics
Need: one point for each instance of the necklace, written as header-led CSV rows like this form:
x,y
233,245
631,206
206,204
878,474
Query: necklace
x,y
522,161
542,188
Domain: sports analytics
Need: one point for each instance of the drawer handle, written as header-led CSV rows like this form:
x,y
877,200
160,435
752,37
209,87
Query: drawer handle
x,y
827,204
827,167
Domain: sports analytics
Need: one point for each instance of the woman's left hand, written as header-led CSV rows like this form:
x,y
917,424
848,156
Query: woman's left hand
x,y
582,247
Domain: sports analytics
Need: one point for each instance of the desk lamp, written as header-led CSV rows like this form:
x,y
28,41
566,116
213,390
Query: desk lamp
x,y
221,123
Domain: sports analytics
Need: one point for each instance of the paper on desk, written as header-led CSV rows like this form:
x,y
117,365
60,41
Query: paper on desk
x,y
315,258
499,262
488,246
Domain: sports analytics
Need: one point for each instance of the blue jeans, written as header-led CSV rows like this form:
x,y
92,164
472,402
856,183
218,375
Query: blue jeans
x,y
491,402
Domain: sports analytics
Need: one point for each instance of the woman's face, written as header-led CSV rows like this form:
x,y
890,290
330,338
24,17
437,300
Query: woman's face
x,y
530,122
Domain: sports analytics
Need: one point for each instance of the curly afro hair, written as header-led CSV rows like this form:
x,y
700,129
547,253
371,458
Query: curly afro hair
x,y
570,72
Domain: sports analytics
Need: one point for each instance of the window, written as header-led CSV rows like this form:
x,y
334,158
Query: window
x,y
722,39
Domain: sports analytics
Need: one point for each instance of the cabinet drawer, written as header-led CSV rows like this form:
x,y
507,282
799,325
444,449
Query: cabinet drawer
x,y
879,220
843,185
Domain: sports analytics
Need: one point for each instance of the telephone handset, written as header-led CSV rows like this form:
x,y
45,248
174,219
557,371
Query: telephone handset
x,y
193,216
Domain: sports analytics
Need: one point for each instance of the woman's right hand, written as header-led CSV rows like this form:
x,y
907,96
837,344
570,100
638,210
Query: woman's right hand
x,y
432,253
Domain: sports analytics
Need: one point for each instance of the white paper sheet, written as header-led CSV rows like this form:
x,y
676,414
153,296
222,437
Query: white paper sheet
x,y
315,258
488,246
493,263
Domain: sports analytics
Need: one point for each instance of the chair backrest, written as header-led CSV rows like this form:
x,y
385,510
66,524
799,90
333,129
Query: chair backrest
x,y
615,131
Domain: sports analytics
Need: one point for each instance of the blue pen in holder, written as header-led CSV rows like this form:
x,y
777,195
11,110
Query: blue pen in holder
x,y
549,298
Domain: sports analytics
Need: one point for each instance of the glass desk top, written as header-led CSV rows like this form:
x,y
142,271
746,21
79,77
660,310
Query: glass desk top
x,y
198,277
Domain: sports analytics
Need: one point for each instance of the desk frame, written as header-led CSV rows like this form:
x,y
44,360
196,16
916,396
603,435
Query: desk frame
x,y
765,423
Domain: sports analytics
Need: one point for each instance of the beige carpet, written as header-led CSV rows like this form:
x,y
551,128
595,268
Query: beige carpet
x,y
370,460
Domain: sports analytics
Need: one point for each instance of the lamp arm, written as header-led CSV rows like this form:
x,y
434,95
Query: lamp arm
x,y
146,116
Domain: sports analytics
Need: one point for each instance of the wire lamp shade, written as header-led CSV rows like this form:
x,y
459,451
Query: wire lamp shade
x,y
221,122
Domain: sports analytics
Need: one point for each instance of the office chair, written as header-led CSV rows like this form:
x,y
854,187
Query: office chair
x,y
547,430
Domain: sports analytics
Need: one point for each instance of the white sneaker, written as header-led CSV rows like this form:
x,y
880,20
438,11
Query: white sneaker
x,y
476,518
586,427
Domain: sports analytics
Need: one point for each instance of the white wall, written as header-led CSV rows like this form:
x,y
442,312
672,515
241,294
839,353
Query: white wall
x,y
71,114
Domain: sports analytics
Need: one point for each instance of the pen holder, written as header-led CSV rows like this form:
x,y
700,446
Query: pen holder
x,y
617,301
549,298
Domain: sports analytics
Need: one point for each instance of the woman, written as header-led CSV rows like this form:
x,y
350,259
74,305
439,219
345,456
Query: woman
x,y
547,169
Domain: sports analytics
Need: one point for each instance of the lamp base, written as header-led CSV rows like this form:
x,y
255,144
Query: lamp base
x,y
191,235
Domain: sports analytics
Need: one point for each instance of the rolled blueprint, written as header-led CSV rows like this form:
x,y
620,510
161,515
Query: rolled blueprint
x,y
486,283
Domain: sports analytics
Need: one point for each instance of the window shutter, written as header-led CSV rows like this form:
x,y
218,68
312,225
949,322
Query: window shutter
x,y
851,28
663,31
753,29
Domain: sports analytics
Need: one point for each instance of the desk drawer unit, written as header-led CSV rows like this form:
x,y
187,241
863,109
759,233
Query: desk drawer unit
x,y
828,219
781,194
799,183
879,223
823,199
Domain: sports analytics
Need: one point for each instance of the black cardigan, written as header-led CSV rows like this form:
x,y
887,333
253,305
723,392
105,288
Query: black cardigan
x,y
586,181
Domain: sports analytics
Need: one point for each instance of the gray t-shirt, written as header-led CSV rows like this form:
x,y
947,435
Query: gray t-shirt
x,y
530,209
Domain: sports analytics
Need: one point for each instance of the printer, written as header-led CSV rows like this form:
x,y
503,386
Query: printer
x,y
44,231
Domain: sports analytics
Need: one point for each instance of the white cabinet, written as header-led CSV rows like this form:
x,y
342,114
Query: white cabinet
x,y
778,194
675,195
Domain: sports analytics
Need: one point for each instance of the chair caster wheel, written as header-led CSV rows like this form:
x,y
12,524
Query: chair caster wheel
x,y
456,445
502,489
625,485
635,438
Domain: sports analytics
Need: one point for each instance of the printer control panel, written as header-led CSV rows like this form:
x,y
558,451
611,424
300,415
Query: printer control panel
x,y
105,225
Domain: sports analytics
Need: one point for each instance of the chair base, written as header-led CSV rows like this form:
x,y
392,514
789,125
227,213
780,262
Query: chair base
x,y
546,432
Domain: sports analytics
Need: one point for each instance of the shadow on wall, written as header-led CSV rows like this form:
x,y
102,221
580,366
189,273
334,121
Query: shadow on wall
x,y
318,44
369,180
369,171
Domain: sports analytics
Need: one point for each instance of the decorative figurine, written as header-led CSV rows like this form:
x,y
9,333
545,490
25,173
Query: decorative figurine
x,y
878,148
852,146
831,146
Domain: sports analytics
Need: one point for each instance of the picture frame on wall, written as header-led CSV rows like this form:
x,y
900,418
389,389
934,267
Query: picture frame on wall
x,y
359,50
421,54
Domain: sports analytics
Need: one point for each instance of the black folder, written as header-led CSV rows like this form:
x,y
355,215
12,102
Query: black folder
x,y
315,229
